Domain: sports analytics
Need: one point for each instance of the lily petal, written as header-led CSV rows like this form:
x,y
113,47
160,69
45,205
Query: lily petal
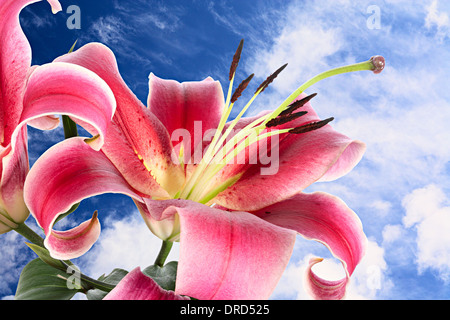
x,y
328,220
65,174
50,90
15,59
56,6
302,160
163,223
195,106
44,123
136,129
322,289
76,241
137,286
224,255
64,88
14,169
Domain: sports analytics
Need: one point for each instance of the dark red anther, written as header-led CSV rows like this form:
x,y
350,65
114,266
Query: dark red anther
x,y
236,58
311,126
270,78
241,88
285,119
297,104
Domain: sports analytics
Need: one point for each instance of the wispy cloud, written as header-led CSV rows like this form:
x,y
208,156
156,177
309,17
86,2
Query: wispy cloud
x,y
438,19
29,18
428,212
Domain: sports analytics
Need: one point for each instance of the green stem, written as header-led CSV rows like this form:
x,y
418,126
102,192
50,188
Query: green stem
x,y
70,127
29,234
163,253
93,284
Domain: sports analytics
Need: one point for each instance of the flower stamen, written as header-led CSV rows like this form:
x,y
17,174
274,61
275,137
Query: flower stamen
x,y
222,150
297,104
375,64
242,86
311,126
236,58
270,79
282,119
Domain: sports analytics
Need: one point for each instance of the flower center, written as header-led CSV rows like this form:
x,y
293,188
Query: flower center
x,y
227,143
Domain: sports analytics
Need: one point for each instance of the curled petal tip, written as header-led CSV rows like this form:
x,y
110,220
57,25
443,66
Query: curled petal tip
x,y
56,6
95,142
73,243
315,260
378,64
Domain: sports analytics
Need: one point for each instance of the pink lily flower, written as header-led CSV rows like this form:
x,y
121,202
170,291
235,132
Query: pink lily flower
x,y
236,227
32,95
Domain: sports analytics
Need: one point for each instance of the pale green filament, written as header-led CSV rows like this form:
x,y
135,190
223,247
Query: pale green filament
x,y
217,155
367,65
224,159
227,110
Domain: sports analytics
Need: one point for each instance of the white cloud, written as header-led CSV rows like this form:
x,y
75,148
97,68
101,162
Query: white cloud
x,y
36,137
422,204
437,19
392,233
370,279
428,211
110,30
8,256
304,47
382,207
35,20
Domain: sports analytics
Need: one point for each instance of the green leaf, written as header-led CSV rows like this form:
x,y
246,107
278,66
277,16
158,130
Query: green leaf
x,y
39,281
44,254
113,278
165,276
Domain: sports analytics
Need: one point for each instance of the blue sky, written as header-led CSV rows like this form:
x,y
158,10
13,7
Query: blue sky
x,y
400,190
